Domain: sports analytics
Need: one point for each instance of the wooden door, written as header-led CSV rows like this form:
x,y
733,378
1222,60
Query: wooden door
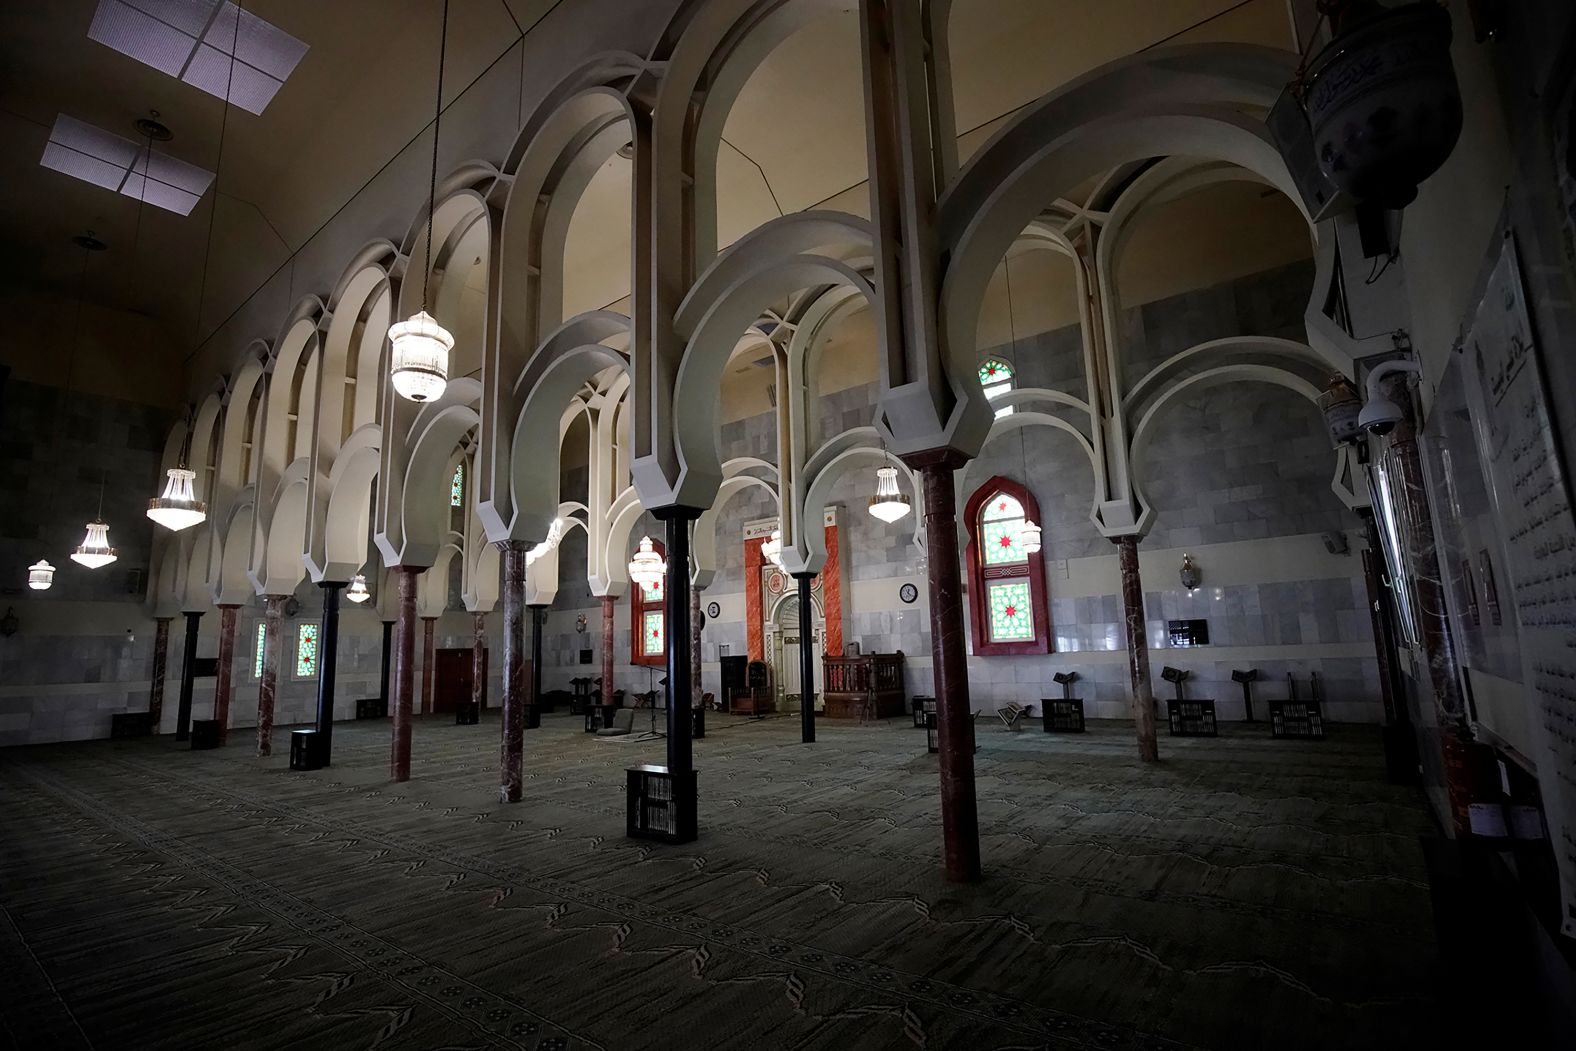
x,y
453,679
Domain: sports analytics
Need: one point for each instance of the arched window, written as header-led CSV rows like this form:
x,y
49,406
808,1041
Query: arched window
x,y
1007,600
996,378
457,486
648,622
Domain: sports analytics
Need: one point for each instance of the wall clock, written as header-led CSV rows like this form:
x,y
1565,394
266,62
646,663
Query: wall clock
x,y
713,611
908,593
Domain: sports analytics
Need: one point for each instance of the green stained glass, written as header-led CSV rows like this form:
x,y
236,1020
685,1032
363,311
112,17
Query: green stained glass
x,y
653,637
306,651
1010,611
257,661
1000,542
994,371
457,487
652,592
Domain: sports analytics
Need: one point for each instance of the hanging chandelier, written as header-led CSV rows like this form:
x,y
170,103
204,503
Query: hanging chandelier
x,y
890,503
1029,536
40,575
357,592
419,347
647,568
95,551
179,507
772,550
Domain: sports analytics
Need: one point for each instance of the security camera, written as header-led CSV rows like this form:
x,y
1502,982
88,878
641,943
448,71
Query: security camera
x,y
1380,414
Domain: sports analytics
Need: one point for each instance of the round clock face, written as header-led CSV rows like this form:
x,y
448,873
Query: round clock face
x,y
908,593
713,611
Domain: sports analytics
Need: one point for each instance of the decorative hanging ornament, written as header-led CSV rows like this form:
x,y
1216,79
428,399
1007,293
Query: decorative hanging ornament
x,y
357,592
647,568
40,575
95,551
890,503
179,507
1029,536
772,550
420,357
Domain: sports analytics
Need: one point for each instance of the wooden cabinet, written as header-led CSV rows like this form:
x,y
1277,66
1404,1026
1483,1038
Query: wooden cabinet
x,y
870,685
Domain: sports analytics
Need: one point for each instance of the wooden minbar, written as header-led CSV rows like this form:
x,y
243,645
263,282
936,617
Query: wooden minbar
x,y
866,686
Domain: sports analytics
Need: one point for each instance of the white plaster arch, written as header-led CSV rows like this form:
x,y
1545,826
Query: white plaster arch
x,y
233,585
276,565
412,518
739,474
338,548
852,448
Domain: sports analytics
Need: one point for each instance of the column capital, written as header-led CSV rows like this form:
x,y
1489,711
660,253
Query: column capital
x,y
946,458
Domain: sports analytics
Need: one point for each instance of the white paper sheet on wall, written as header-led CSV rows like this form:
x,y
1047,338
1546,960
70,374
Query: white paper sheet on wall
x,y
1521,449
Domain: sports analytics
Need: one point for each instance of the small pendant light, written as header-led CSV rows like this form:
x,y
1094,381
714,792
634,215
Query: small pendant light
x,y
772,550
95,552
419,347
1029,532
357,592
40,575
647,568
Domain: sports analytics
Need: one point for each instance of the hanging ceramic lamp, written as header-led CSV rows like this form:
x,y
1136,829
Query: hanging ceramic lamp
x,y
179,507
772,550
357,592
890,503
1029,536
419,357
40,575
647,568
95,551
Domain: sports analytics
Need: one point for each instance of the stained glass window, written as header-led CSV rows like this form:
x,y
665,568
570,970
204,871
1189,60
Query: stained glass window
x,y
306,651
653,641
1011,611
257,661
652,592
457,487
1001,521
996,378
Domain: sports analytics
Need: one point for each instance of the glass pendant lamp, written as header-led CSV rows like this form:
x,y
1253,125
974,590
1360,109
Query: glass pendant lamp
x,y
95,551
179,507
419,347
890,503
40,575
357,591
647,568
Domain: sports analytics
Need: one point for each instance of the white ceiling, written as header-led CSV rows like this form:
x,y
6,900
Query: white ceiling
x,y
364,91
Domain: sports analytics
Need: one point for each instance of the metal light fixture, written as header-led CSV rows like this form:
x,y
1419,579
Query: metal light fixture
x,y
890,503
1340,403
1191,577
9,625
95,551
772,549
419,347
357,591
40,575
179,507
647,568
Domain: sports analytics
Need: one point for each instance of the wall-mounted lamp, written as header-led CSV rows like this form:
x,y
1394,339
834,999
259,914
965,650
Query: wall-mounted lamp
x,y
131,636
8,623
580,624
1191,577
1341,405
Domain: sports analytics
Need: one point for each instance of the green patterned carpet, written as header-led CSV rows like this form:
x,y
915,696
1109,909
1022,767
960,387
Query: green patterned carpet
x,y
1243,894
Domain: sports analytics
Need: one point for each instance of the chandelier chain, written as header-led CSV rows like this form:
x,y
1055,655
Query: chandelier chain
x,y
432,184
218,170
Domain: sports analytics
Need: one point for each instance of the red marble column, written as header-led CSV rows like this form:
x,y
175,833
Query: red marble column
x,y
224,683
425,705
609,604
1138,649
268,682
954,716
404,669
161,658
479,661
516,687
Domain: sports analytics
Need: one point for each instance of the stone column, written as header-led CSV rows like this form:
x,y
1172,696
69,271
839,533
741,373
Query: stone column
x,y
609,606
479,661
538,617
268,682
1138,649
954,716
161,657
327,666
404,669
696,622
807,660
388,653
224,680
183,719
425,705
681,746
511,748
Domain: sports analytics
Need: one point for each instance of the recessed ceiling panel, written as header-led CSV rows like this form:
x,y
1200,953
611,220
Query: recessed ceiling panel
x,y
195,40
105,159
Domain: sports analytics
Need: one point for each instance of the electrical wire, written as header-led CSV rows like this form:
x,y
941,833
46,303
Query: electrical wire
x,y
218,172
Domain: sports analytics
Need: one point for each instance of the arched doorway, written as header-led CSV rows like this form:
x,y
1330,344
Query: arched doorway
x,y
783,648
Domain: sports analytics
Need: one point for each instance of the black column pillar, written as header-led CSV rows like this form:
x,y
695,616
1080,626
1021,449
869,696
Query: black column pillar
x,y
327,665
388,651
681,746
183,720
537,615
806,660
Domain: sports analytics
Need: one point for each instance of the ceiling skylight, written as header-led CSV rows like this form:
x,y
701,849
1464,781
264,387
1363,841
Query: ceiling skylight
x,y
105,159
193,40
